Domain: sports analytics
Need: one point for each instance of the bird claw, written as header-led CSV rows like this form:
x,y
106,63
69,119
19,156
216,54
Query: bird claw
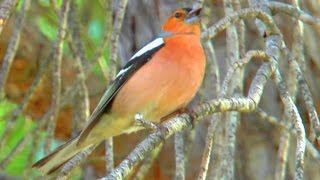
x,y
140,121
192,115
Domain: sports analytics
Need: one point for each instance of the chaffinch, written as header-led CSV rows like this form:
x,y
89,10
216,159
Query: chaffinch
x,y
158,80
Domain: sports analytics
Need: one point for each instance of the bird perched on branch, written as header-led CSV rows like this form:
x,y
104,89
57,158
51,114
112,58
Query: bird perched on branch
x,y
158,80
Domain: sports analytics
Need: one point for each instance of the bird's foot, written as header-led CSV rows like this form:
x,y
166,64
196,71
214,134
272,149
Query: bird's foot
x,y
140,121
191,113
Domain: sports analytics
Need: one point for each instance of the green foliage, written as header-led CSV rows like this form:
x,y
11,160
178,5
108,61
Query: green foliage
x,y
22,127
93,27
19,5
47,28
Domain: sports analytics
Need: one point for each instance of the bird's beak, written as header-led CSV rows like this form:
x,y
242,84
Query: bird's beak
x,y
193,15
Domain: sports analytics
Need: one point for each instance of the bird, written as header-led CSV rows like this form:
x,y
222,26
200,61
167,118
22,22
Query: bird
x,y
158,80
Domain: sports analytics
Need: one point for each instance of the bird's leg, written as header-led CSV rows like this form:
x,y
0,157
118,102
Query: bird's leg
x,y
140,121
181,111
191,113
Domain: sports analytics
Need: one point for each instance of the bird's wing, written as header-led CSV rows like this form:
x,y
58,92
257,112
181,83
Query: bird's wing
x,y
135,62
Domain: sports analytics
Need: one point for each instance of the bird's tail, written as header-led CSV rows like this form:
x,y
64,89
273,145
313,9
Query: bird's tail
x,y
59,157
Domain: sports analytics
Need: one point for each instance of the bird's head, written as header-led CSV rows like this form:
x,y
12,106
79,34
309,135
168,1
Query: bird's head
x,y
184,20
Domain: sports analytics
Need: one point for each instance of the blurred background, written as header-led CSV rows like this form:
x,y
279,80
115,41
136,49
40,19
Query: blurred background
x,y
22,140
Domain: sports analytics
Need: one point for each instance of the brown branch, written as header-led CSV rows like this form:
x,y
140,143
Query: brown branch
x,y
219,26
306,94
6,8
180,156
118,21
82,102
294,12
6,65
240,29
183,121
198,3
212,80
73,162
57,59
68,95
231,121
115,37
235,17
14,40
285,125
273,44
148,162
178,124
292,112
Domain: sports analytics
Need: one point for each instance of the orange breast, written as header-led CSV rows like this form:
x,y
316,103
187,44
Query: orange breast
x,y
166,83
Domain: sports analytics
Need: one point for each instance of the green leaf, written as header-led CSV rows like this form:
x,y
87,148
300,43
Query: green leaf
x,y
21,128
47,28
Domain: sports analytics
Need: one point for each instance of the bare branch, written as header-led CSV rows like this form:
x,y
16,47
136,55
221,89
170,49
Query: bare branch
x,y
115,37
293,11
76,160
177,124
118,21
214,74
6,65
180,156
235,17
306,94
57,57
14,40
148,162
273,44
6,7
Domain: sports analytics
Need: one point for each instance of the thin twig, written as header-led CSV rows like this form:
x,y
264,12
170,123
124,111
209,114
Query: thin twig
x,y
240,63
242,104
259,79
214,74
177,124
306,94
235,17
273,45
115,37
180,156
118,21
282,155
297,44
225,170
57,58
292,112
6,8
73,162
33,134
31,157
14,40
294,12
148,162
68,95
6,64
288,127
198,3
82,102
304,17
206,155
240,29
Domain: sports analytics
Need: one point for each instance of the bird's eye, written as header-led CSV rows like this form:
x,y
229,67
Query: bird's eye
x,y
177,14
